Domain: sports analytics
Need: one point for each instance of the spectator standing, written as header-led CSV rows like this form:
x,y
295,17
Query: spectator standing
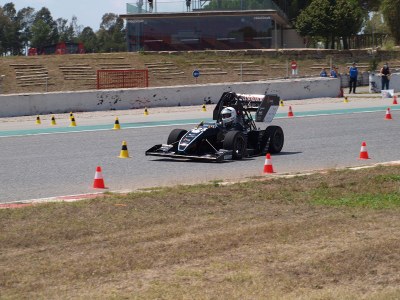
x,y
188,2
385,74
323,73
353,73
150,5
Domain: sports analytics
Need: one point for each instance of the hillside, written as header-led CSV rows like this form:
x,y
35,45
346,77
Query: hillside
x,y
78,72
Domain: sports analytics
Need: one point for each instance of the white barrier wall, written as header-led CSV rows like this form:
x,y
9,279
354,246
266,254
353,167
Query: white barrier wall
x,y
375,83
64,102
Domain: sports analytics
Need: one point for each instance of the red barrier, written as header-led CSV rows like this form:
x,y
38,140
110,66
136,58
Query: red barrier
x,y
111,79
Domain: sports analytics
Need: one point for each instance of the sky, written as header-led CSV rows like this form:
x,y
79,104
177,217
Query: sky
x,y
88,12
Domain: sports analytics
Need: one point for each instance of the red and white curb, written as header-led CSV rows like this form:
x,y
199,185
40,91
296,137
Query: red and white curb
x,y
69,198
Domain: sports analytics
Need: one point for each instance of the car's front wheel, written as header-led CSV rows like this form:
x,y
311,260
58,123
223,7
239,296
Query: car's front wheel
x,y
235,141
175,136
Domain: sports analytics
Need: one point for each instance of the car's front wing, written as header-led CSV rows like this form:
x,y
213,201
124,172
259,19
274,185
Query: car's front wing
x,y
163,150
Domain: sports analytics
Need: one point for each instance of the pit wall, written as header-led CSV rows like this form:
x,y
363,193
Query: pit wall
x,y
102,100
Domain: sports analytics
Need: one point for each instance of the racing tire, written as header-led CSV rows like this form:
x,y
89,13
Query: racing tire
x,y
175,136
235,141
276,139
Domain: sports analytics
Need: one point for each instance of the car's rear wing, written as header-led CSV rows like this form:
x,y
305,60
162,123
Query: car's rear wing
x,y
265,106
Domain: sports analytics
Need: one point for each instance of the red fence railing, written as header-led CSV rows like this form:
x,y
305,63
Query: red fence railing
x,y
112,79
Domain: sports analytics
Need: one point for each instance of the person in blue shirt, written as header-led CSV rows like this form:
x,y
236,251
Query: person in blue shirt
x,y
353,72
323,73
334,73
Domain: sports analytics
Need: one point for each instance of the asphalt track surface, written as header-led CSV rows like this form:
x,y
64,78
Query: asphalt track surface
x,y
36,163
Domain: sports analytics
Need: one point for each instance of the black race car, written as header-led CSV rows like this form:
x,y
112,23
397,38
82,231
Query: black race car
x,y
219,141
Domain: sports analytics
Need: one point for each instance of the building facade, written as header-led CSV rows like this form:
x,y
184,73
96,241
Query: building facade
x,y
203,29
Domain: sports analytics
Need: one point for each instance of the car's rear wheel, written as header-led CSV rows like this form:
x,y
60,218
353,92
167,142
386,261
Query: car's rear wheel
x,y
276,139
235,141
175,136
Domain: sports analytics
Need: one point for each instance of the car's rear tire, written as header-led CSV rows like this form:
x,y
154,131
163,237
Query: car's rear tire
x,y
235,141
276,139
175,136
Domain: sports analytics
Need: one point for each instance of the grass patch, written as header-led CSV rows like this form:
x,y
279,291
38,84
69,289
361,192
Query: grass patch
x,y
380,201
308,237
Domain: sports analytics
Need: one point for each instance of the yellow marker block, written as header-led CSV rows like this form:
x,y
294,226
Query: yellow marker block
x,y
53,121
73,123
117,126
146,112
38,122
281,103
346,100
204,108
124,151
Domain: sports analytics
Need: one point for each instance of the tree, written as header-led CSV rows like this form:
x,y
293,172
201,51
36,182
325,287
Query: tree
x,y
349,19
11,43
111,35
317,20
44,29
89,39
65,32
391,13
4,23
330,19
295,8
42,34
370,5
25,18
376,24
77,29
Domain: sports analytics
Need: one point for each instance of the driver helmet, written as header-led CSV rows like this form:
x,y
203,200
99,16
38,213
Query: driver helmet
x,y
228,116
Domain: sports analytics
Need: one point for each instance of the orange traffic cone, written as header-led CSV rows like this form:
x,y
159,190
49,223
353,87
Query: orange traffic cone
x,y
388,115
290,113
98,179
394,99
363,151
268,168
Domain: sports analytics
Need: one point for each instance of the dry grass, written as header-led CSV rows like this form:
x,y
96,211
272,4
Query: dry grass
x,y
263,64
317,237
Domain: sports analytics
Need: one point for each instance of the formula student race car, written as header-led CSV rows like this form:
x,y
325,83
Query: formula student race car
x,y
233,135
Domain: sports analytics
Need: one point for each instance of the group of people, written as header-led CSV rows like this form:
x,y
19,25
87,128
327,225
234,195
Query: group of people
x,y
353,75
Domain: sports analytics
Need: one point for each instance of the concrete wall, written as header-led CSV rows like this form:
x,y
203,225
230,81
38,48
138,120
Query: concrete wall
x,y
375,83
287,89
